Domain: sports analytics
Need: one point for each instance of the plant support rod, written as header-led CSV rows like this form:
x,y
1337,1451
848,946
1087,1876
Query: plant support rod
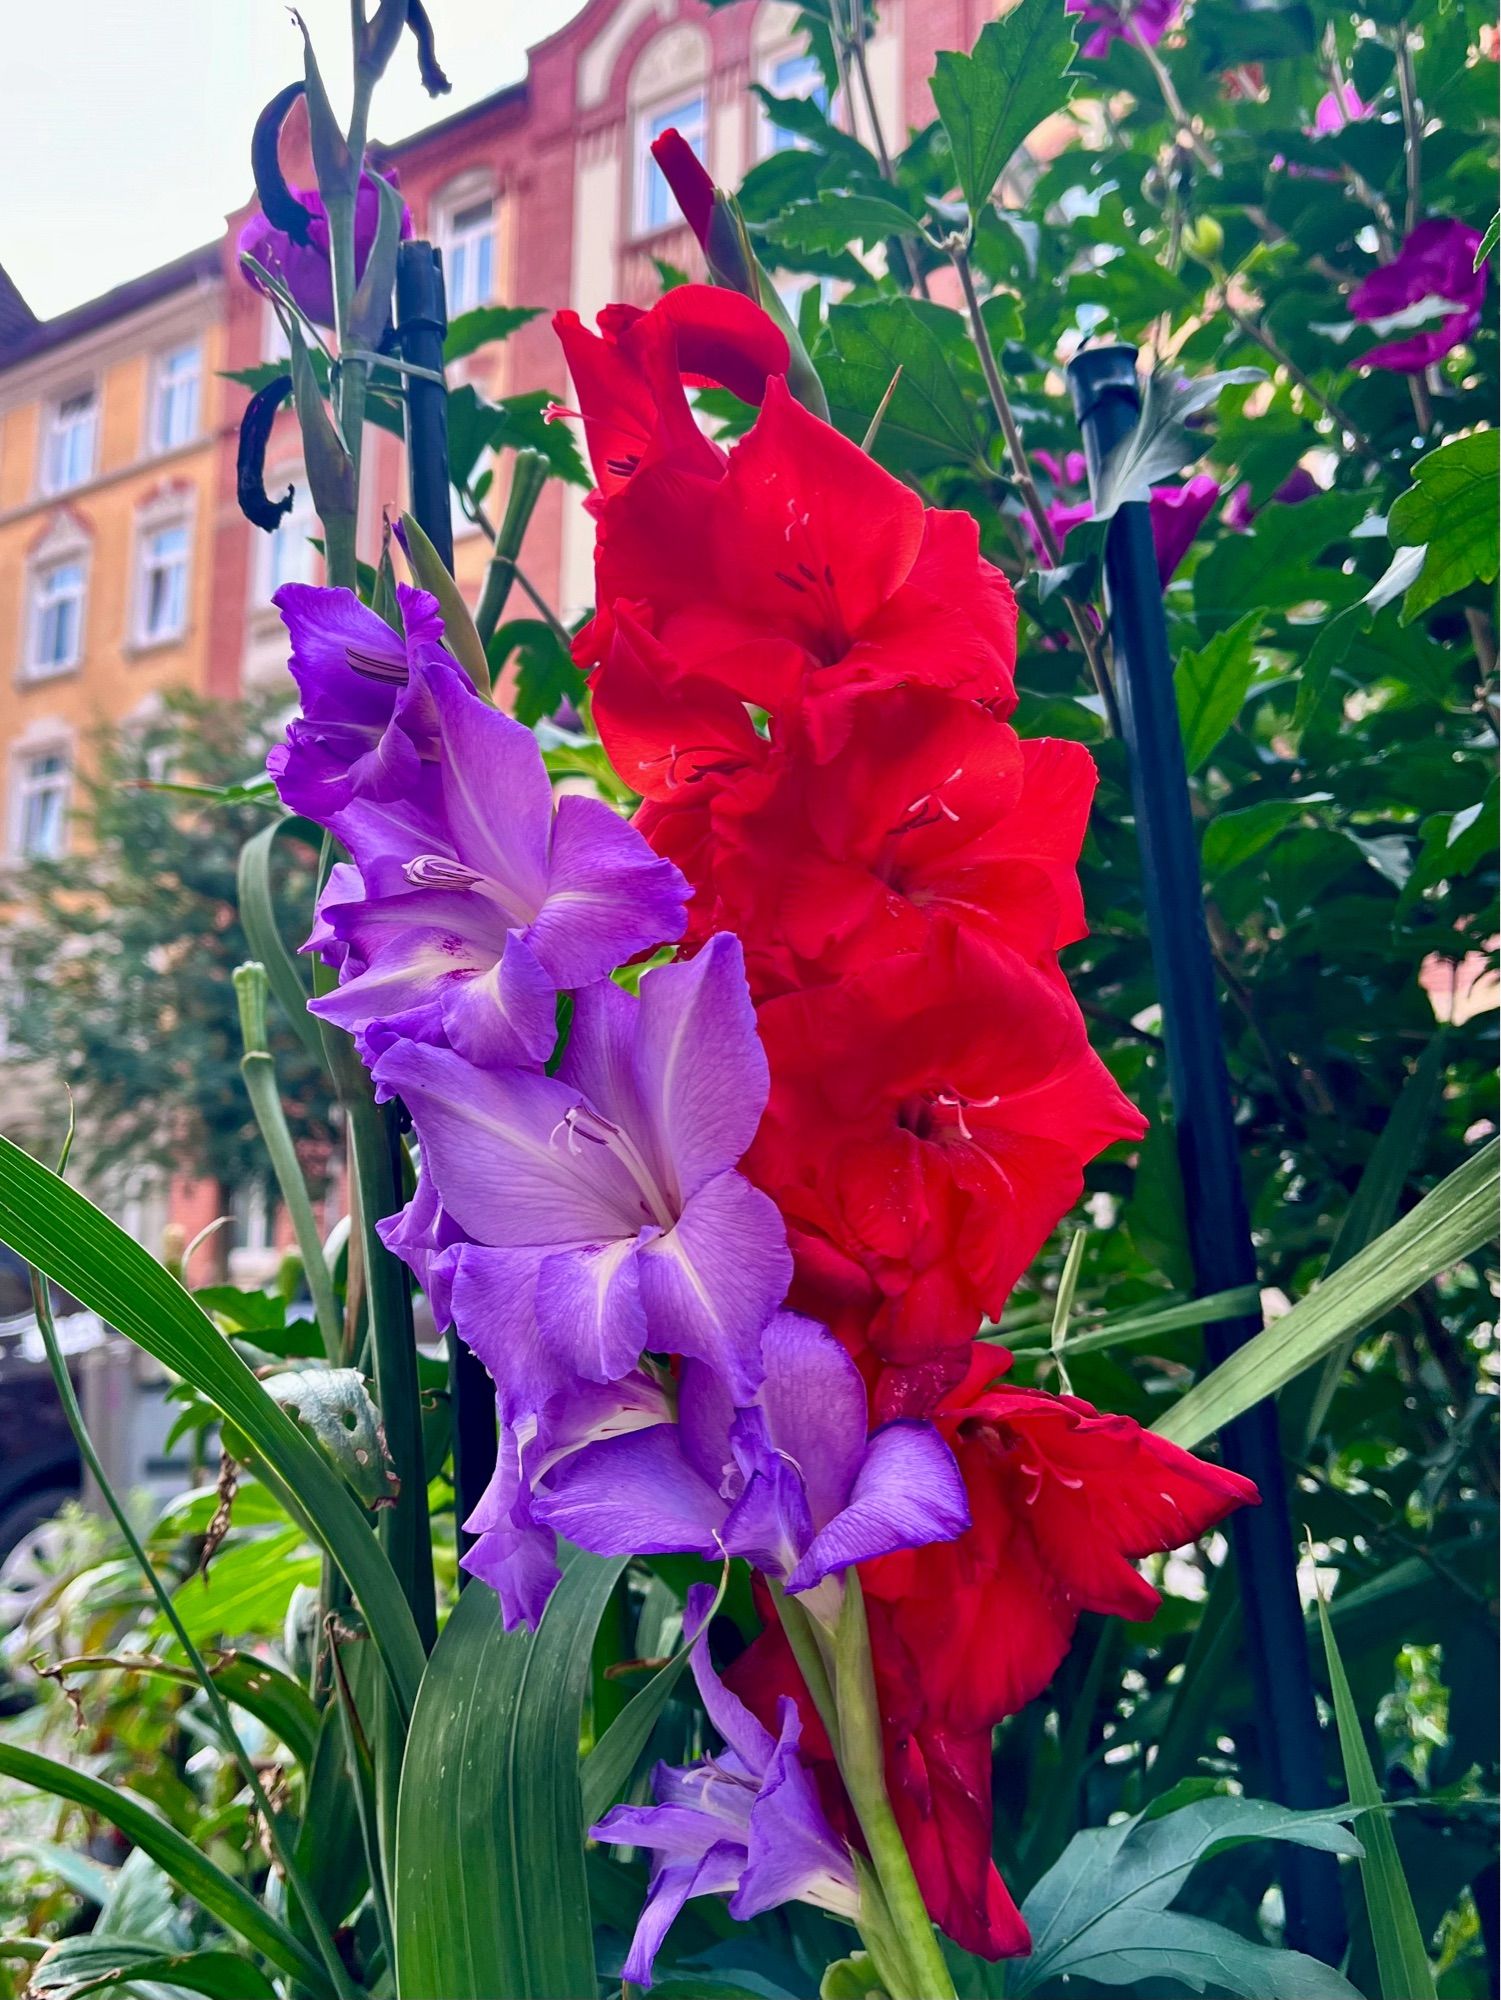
x,y
1107,401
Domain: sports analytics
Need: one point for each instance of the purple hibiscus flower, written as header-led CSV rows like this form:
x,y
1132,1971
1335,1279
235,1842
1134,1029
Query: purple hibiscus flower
x,y
1436,262
1149,21
305,268
1239,510
476,900
746,1823
601,1206
1177,512
792,1482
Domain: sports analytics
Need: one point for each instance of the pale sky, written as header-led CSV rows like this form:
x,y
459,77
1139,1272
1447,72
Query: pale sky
x,y
125,124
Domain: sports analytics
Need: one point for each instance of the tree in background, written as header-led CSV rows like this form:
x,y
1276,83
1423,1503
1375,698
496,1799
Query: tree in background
x,y
121,953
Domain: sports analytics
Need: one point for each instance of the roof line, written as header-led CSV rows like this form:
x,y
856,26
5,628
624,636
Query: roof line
x,y
175,275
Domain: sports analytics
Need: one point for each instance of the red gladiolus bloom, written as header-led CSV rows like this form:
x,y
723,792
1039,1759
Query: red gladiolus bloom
x,y
802,570
929,1122
629,376
1065,1500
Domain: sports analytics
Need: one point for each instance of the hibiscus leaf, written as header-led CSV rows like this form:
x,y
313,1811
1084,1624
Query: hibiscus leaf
x,y
930,420
486,323
544,674
1212,685
1019,73
490,1890
1448,508
477,425
838,216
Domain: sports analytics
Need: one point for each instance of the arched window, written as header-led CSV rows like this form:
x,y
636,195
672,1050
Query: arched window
x,y
57,584
163,565
464,228
669,91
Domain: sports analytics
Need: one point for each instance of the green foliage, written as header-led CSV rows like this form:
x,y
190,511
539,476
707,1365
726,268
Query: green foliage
x,y
990,101
1448,513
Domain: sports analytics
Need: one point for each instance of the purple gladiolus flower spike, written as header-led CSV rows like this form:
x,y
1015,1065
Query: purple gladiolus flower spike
x,y
792,1483
602,1205
1436,262
746,1823
477,900
350,669
305,268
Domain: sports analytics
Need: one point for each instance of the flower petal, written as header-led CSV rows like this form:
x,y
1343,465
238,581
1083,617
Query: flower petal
x,y
497,1147
710,1284
815,1408
589,1309
634,1495
608,895
908,1492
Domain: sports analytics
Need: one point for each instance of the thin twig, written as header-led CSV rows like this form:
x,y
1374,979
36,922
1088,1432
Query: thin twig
x,y
1026,485
851,36
1252,330
1176,109
1412,126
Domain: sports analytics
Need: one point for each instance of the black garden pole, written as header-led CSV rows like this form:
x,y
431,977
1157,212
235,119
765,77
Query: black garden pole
x,y
1107,402
421,322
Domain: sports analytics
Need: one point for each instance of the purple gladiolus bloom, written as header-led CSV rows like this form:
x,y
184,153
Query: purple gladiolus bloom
x,y
1178,513
746,1823
350,669
791,1483
476,900
1149,21
513,1552
1239,511
304,268
602,1207
1435,262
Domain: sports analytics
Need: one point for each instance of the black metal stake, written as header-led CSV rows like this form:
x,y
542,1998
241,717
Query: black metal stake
x,y
1107,402
422,321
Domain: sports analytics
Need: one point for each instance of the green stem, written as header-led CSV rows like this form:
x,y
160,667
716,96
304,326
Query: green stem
x,y
1026,485
258,1067
862,1764
338,1978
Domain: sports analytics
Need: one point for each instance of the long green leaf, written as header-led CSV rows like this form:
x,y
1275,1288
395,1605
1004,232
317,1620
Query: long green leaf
x,y
76,1966
55,1228
1455,1218
261,1689
173,1852
257,903
490,1890
1400,1954
1373,1207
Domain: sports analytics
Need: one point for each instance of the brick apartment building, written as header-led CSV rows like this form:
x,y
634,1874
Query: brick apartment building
x,y
125,565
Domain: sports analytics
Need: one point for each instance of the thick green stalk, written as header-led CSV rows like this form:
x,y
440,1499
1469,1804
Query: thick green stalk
x,y
258,1067
338,1979
862,1765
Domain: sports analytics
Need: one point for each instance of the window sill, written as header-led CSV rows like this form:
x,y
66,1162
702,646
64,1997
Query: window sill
x,y
29,677
140,649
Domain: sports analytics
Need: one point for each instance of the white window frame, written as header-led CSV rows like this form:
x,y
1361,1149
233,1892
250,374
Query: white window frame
x,y
166,382
302,520
52,478
459,240
41,599
24,787
766,127
148,531
650,183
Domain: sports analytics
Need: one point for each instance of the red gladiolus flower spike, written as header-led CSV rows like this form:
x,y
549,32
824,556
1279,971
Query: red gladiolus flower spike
x,y
685,174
